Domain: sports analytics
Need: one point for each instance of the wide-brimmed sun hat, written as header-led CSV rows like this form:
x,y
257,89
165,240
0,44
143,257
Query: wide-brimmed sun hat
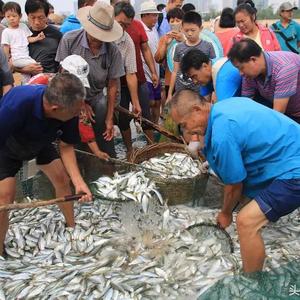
x,y
99,22
149,7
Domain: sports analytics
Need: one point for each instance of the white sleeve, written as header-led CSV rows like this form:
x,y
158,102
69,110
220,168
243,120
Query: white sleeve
x,y
5,38
25,29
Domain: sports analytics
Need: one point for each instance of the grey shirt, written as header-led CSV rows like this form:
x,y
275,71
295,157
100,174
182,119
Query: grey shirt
x,y
5,73
181,49
106,65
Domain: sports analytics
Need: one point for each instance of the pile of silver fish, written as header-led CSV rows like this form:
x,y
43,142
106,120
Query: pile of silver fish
x,y
175,165
98,259
130,186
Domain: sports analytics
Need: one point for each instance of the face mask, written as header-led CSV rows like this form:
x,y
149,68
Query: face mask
x,y
175,27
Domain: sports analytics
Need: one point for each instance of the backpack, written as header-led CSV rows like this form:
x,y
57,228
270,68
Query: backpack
x,y
285,38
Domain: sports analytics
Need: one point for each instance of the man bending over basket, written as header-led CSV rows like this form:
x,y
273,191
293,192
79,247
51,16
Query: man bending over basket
x,y
31,118
249,160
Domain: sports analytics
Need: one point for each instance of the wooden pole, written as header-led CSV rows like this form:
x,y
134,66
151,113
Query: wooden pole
x,y
35,204
160,129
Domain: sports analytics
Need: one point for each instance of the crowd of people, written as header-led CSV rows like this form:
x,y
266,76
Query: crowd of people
x,y
241,108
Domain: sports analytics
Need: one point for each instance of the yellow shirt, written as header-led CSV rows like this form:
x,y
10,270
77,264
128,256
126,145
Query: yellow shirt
x,y
256,39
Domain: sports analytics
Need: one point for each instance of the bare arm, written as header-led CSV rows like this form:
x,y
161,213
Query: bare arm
x,y
161,52
112,89
95,149
132,84
6,88
32,69
173,81
280,104
232,195
69,160
150,62
34,39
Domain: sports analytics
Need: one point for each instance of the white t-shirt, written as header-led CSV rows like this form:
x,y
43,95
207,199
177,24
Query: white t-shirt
x,y
153,39
16,38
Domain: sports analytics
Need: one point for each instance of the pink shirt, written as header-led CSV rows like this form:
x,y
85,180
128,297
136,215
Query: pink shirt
x,y
225,38
268,38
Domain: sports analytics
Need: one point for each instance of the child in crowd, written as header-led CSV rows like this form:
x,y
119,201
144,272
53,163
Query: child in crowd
x,y
79,67
17,36
174,18
191,27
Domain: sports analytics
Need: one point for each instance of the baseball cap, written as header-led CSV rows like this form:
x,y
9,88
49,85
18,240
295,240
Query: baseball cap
x,y
286,6
77,66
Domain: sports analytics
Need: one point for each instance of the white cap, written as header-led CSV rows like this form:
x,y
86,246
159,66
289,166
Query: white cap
x,y
149,7
77,66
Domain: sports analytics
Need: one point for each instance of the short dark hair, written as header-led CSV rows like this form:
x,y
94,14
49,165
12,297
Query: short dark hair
x,y
126,8
160,6
13,6
82,3
250,2
31,6
1,5
188,7
175,13
243,50
248,8
194,58
227,18
192,17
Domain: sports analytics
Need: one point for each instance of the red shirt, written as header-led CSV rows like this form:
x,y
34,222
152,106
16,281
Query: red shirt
x,y
139,36
267,37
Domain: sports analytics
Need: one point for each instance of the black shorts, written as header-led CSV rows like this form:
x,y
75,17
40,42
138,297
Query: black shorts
x,y
10,166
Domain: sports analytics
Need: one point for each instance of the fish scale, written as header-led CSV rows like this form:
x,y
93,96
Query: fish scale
x,y
120,261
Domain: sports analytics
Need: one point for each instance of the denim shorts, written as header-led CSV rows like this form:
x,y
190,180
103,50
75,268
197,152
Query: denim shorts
x,y
280,198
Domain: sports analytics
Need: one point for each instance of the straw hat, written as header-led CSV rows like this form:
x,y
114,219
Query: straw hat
x,y
149,7
99,22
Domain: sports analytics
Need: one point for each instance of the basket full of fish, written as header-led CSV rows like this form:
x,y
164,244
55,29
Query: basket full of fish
x,y
177,175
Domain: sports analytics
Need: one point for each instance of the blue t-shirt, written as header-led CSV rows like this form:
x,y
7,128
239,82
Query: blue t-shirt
x,y
71,23
228,82
24,130
250,143
164,27
292,32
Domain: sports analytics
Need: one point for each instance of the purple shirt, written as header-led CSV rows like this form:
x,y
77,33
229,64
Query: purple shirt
x,y
282,81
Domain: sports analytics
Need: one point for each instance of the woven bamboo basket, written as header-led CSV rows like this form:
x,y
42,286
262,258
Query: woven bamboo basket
x,y
175,191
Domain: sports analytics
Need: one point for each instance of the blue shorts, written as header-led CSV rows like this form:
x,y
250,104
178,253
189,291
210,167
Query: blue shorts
x,y
280,198
154,93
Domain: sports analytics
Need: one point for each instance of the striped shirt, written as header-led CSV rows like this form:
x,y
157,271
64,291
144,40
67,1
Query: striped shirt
x,y
282,81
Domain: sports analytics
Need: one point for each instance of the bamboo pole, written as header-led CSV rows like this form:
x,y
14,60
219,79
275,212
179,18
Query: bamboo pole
x,y
35,204
160,129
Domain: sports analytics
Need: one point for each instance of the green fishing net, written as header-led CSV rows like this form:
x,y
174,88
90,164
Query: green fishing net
x,y
278,283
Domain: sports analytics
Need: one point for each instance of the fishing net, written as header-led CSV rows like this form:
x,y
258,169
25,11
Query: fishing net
x,y
278,283
205,231
281,276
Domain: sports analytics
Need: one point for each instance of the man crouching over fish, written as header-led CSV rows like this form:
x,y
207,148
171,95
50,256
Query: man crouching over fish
x,y
31,118
255,151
